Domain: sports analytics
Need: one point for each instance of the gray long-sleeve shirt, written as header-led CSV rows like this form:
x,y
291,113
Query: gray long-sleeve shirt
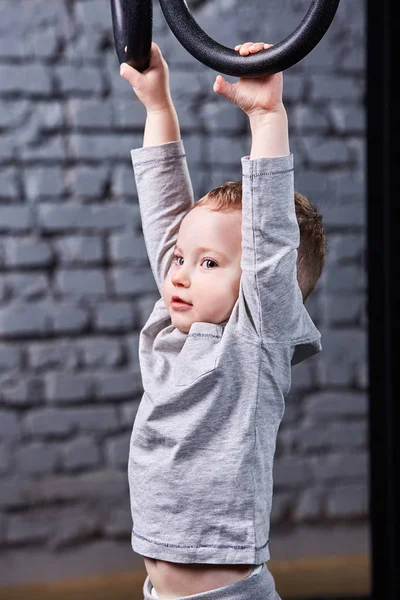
x,y
203,440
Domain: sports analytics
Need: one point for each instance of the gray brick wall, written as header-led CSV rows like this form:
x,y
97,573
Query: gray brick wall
x,y
76,285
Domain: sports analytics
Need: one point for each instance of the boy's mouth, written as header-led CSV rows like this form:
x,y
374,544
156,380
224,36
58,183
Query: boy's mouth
x,y
180,300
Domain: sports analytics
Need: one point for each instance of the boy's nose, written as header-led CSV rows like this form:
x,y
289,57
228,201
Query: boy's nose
x,y
180,278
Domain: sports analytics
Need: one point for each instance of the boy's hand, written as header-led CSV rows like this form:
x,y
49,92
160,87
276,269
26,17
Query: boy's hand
x,y
151,86
256,95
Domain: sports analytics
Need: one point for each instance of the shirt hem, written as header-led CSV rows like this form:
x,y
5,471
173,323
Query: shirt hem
x,y
187,553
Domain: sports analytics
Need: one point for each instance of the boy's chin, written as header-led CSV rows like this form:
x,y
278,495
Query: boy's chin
x,y
181,323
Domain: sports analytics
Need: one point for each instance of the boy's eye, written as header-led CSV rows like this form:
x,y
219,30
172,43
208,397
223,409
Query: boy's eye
x,y
211,261
177,257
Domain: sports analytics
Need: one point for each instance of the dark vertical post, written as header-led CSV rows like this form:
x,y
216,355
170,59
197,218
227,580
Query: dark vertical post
x,y
383,193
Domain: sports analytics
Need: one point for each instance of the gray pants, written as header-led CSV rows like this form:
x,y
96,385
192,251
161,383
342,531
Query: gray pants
x,y
257,587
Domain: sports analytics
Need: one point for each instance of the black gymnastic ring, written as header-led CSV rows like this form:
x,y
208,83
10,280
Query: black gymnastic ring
x,y
133,29
212,54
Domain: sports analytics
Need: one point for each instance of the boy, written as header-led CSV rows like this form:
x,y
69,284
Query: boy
x,y
216,352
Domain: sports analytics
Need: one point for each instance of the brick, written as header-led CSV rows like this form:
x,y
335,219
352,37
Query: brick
x,y
351,465
119,522
336,87
128,413
50,355
50,114
19,320
83,217
348,279
21,390
8,184
114,316
35,526
90,113
37,458
76,524
348,119
79,250
5,458
63,218
99,352
104,487
81,453
222,150
9,425
89,182
117,384
346,248
347,435
309,506
80,283
348,501
43,182
344,309
342,351
128,247
292,471
94,146
117,451
27,252
123,182
52,149
10,357
62,421
12,111
217,117
281,503
130,113
47,421
8,145
325,405
11,492
94,418
68,317
68,387
144,306
44,44
32,79
11,47
316,435
15,218
76,78
94,14
311,118
27,285
133,281
322,152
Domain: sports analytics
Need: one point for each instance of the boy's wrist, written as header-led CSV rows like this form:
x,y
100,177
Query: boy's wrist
x,y
269,134
267,117
166,107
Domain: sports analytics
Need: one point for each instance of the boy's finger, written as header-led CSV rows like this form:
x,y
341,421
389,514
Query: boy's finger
x,y
130,74
245,48
258,46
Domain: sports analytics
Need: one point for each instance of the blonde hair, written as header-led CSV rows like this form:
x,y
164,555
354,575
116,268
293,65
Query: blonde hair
x,y
313,246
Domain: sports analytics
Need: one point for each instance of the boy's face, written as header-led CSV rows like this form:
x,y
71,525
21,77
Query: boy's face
x,y
205,279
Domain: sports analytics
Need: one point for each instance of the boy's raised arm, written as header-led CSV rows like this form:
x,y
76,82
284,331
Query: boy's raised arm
x,y
152,89
272,305
162,177
161,126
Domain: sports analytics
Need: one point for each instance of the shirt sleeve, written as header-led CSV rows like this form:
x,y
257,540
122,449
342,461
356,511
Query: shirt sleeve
x,y
272,303
165,196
